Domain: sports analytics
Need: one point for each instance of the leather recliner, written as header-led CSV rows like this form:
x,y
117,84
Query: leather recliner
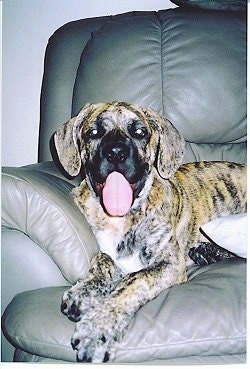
x,y
189,65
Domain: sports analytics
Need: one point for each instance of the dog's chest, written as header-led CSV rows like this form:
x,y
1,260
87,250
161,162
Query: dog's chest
x,y
109,240
115,236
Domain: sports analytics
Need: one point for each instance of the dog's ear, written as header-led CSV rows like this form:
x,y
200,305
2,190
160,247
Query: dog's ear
x,y
171,145
68,142
67,148
171,149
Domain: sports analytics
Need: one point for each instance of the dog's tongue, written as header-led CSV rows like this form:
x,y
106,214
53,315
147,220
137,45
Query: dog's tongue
x,y
117,195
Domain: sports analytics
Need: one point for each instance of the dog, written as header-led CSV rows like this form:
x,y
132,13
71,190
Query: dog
x,y
145,209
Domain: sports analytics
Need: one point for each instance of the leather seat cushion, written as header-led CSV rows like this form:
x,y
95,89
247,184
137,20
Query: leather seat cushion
x,y
205,317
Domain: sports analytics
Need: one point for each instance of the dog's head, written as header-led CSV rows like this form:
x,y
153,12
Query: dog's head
x,y
118,144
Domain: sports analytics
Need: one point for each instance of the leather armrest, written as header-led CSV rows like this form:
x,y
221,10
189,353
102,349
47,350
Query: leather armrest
x,y
40,205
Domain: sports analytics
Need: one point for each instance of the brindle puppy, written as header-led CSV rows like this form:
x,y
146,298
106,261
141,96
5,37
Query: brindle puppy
x,y
145,210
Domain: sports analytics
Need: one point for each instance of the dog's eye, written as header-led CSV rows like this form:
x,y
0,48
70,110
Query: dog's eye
x,y
94,133
139,132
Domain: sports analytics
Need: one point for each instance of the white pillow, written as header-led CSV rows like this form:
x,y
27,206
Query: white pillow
x,y
229,232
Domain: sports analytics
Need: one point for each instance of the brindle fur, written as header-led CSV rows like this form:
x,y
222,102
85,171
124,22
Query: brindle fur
x,y
146,250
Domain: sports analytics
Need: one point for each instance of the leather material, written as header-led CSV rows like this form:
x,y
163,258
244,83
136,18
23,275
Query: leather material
x,y
25,266
190,360
184,321
229,152
40,205
238,5
191,67
61,62
188,65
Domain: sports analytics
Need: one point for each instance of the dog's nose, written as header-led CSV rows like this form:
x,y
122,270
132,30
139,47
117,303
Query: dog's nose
x,y
116,152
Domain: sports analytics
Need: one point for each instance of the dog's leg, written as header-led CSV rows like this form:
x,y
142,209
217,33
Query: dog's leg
x,y
104,324
99,282
207,253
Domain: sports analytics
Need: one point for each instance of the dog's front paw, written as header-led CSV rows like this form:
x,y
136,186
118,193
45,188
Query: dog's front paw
x,y
207,253
70,305
90,345
97,333
77,300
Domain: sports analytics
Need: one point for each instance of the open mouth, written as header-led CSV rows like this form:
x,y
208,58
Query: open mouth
x,y
117,194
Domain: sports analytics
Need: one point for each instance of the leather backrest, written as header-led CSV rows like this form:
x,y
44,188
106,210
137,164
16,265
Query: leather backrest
x,y
188,65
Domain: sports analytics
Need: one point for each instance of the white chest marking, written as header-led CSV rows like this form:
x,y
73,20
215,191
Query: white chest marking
x,y
129,264
108,242
109,234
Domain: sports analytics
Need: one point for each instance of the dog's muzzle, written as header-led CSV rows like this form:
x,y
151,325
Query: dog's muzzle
x,y
116,152
117,174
